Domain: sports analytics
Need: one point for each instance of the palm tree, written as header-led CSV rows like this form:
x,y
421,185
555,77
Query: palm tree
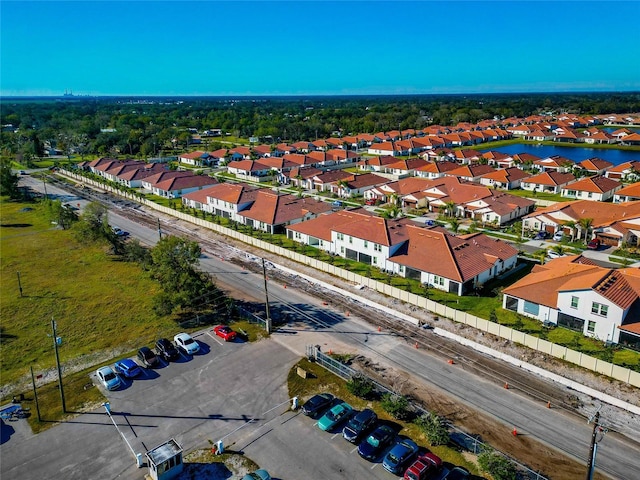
x,y
454,225
450,208
585,224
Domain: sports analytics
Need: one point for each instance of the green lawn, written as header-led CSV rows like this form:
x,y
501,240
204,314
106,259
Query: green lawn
x,y
99,303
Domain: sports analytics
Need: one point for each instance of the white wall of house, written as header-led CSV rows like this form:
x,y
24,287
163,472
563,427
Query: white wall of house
x,y
379,253
584,304
543,313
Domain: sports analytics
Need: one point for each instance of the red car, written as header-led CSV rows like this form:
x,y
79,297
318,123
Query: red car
x,y
225,332
594,244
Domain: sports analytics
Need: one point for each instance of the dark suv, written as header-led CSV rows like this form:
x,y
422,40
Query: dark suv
x,y
148,357
359,425
167,350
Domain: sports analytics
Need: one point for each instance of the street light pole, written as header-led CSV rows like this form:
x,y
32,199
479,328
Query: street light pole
x,y
266,296
55,347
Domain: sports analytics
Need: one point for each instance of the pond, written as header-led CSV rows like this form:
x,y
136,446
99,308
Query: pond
x,y
576,154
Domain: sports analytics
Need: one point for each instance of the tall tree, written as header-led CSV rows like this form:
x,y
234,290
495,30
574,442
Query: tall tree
x,y
8,180
174,266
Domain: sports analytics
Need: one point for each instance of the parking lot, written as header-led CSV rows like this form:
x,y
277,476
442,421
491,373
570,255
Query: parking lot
x,y
234,391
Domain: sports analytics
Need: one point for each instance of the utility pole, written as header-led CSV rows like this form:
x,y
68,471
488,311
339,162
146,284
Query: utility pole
x,y
593,449
44,182
19,284
266,296
159,230
55,347
35,394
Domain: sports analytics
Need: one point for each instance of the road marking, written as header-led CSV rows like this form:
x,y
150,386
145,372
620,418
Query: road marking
x,y
374,466
215,338
335,435
354,449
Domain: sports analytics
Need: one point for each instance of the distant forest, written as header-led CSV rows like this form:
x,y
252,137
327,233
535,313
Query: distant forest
x,y
140,126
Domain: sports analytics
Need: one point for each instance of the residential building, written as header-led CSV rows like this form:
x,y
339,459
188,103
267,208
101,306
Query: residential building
x,y
575,293
598,189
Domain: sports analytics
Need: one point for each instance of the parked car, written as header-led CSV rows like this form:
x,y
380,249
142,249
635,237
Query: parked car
x,y
316,404
167,350
119,232
185,343
148,357
108,378
372,446
127,368
401,454
22,172
225,332
541,235
257,475
334,416
359,424
426,466
336,204
558,236
457,473
371,201
594,244
553,254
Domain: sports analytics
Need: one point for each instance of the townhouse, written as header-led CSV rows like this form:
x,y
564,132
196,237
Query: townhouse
x,y
575,293
612,223
550,182
507,178
628,193
597,189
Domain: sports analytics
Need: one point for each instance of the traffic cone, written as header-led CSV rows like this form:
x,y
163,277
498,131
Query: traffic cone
x,y
347,314
330,352
285,285
450,362
506,385
514,432
548,404
416,345
379,329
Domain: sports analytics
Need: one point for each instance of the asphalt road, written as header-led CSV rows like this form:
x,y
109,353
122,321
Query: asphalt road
x,y
615,456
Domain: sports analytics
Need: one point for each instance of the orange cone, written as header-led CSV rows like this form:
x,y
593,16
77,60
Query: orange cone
x,y
330,352
347,314
548,404
514,432
379,329
416,345
506,385
450,362
285,285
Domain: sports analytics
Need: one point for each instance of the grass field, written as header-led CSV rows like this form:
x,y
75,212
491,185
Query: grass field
x,y
100,304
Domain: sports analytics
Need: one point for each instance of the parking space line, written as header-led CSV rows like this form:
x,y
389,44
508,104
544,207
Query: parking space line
x,y
354,449
374,466
335,435
214,337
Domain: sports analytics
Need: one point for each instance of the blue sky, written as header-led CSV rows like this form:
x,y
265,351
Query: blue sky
x,y
317,48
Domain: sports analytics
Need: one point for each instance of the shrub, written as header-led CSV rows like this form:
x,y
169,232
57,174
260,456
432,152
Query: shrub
x,y
396,405
360,386
434,427
498,466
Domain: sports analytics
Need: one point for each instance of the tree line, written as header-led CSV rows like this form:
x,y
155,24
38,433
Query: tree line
x,y
148,127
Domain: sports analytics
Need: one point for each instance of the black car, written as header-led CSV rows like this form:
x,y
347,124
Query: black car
x,y
457,473
148,357
167,350
372,446
359,425
316,404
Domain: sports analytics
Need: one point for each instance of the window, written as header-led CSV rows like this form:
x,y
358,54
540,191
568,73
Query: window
x,y
599,309
366,244
375,260
590,195
574,301
532,308
342,250
350,239
438,280
340,236
377,247
511,304
591,326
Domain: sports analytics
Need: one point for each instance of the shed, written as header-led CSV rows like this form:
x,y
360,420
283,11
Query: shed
x,y
165,461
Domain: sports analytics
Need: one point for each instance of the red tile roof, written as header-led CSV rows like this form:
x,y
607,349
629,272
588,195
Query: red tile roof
x,y
457,258
594,185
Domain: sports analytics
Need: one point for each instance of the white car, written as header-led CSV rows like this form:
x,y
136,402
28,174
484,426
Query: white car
x,y
108,378
185,343
558,236
553,254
